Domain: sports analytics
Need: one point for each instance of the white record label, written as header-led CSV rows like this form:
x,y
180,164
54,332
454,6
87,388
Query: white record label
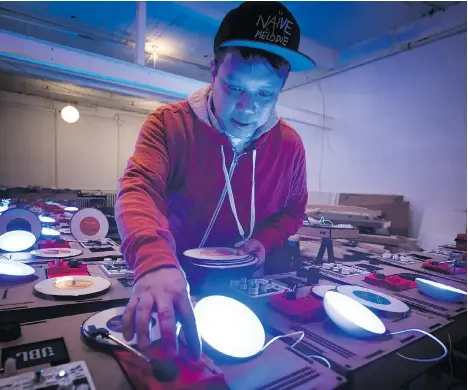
x,y
214,254
89,224
12,268
56,252
376,300
23,219
72,286
111,320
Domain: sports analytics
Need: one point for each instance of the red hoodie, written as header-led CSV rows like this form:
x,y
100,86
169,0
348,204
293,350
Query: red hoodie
x,y
174,181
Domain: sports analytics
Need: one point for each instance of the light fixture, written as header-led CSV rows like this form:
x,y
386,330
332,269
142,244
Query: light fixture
x,y
17,241
71,209
50,232
357,320
351,316
229,327
45,219
10,268
440,291
70,114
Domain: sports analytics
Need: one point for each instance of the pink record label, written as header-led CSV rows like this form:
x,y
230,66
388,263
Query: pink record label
x,y
55,251
90,226
218,252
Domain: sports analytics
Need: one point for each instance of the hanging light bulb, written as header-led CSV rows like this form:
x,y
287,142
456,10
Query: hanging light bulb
x,y
70,114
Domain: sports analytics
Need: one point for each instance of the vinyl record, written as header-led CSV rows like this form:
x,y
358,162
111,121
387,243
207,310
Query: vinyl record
x,y
111,320
380,303
214,254
11,269
20,219
72,286
224,263
219,265
56,252
89,224
320,290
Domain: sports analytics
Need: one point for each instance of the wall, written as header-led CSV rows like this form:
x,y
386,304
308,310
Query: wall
x,y
38,148
399,127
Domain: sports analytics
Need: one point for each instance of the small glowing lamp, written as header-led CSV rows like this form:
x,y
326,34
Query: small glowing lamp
x,y
45,219
12,268
229,327
351,316
71,209
440,291
70,114
50,232
17,241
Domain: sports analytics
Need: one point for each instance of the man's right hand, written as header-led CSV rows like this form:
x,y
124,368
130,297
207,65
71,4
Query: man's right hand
x,y
164,291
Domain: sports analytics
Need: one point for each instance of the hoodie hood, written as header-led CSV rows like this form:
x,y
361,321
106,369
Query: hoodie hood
x,y
201,102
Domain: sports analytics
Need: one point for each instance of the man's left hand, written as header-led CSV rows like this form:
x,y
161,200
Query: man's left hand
x,y
254,247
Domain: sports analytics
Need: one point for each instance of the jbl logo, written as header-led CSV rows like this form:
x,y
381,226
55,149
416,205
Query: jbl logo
x,y
35,354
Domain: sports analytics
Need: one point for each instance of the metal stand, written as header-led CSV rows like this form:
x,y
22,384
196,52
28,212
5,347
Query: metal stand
x,y
327,244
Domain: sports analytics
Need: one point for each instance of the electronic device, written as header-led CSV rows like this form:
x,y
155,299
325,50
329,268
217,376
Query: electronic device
x,y
73,375
117,268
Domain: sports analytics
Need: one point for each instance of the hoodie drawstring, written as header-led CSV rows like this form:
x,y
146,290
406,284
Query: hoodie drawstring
x,y
228,189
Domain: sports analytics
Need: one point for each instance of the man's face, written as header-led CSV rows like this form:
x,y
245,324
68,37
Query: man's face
x,y
245,93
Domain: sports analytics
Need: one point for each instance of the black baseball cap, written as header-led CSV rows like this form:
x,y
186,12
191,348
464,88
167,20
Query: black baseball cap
x,y
265,25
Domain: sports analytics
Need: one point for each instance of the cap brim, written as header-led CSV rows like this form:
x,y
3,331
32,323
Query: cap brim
x,y
298,61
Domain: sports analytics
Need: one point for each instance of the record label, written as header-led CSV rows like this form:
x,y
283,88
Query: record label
x,y
90,226
74,284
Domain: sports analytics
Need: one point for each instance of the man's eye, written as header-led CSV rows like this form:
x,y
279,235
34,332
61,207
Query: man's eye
x,y
232,88
265,94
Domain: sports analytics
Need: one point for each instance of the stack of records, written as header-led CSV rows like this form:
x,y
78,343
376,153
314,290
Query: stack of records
x,y
220,258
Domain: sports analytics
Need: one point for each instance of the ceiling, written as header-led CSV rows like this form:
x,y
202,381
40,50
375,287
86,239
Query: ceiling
x,y
183,32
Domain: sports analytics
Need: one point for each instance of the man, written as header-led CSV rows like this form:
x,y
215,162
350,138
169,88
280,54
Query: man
x,y
225,141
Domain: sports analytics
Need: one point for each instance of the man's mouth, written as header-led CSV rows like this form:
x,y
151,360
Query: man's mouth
x,y
240,124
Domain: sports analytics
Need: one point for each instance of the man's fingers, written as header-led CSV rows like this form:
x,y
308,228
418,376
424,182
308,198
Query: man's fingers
x,y
142,319
128,319
189,326
165,310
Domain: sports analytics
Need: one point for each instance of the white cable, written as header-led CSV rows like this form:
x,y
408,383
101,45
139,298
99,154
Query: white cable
x,y
231,195
282,336
302,334
321,358
429,335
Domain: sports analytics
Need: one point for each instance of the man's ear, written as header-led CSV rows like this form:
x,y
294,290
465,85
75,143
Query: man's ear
x,y
213,69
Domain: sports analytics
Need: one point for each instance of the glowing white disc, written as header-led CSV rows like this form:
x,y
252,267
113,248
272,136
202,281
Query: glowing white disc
x,y
70,114
321,289
50,232
229,326
13,268
440,291
17,241
351,316
45,219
